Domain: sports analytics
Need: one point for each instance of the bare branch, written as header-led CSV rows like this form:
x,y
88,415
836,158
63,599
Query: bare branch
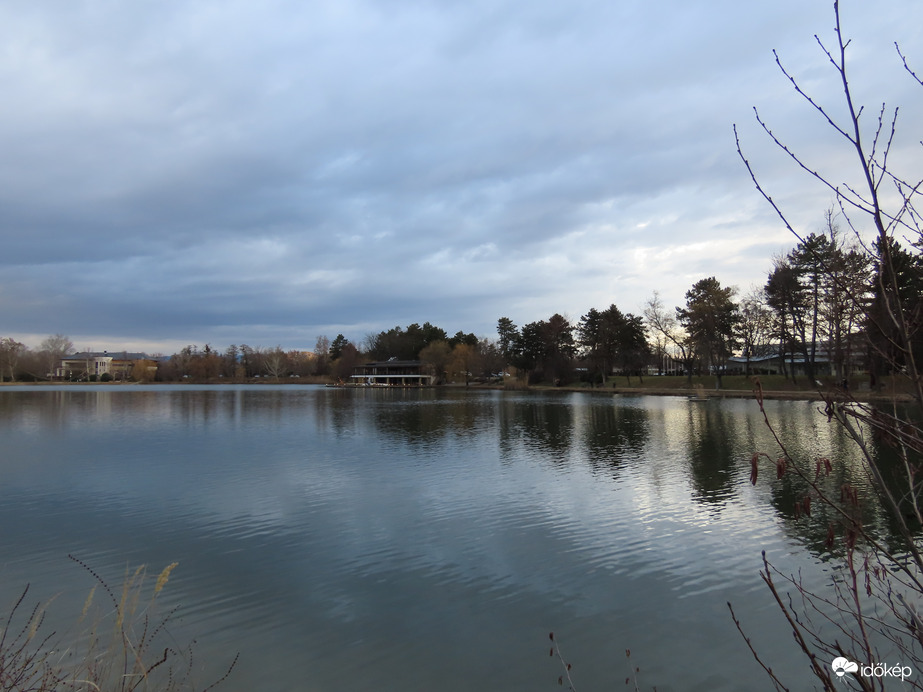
x,y
772,676
906,65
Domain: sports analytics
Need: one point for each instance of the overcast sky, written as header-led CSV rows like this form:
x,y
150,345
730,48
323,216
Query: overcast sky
x,y
267,172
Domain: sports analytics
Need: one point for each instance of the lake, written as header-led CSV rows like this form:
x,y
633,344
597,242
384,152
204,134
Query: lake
x,y
429,539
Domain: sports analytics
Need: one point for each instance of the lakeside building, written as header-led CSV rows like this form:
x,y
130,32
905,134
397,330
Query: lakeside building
x,y
771,363
391,373
89,364
666,364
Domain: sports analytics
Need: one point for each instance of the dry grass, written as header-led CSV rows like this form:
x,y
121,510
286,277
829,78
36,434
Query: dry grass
x,y
121,644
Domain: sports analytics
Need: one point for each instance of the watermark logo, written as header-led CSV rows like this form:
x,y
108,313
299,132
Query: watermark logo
x,y
841,666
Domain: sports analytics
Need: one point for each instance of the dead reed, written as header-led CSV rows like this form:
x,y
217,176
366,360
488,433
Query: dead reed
x,y
121,643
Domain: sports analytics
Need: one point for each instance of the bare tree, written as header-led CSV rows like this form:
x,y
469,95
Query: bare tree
x,y
874,604
322,355
435,358
754,328
463,360
846,297
10,353
53,349
275,362
664,324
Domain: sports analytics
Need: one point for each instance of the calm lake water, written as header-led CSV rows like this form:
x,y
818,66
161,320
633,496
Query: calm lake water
x,y
429,539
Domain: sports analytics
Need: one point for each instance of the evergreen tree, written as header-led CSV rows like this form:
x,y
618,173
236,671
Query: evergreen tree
x,y
710,320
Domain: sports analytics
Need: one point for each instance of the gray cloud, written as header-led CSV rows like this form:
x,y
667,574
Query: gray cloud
x,y
178,172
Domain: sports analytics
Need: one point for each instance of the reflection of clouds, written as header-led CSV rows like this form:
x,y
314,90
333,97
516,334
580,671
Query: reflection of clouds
x,y
359,530
468,485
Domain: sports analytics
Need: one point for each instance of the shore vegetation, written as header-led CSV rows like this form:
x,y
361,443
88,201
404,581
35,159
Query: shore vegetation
x,y
121,641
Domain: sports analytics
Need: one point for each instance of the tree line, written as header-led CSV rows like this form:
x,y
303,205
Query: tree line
x,y
20,363
826,300
462,357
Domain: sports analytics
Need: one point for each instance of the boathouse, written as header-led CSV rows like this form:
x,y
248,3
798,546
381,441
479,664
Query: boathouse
x,y
391,373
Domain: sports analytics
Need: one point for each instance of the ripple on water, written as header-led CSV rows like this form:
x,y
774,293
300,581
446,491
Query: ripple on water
x,y
356,531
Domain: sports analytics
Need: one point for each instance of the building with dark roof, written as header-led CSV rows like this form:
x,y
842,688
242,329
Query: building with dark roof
x,y
391,373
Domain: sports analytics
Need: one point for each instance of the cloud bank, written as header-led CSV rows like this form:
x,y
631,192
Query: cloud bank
x,y
177,172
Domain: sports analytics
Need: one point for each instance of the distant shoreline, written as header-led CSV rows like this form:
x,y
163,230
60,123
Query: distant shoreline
x,y
781,395
688,393
731,394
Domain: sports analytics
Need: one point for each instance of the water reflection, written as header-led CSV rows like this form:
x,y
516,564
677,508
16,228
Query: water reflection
x,y
542,427
613,435
345,527
711,442
812,440
713,445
